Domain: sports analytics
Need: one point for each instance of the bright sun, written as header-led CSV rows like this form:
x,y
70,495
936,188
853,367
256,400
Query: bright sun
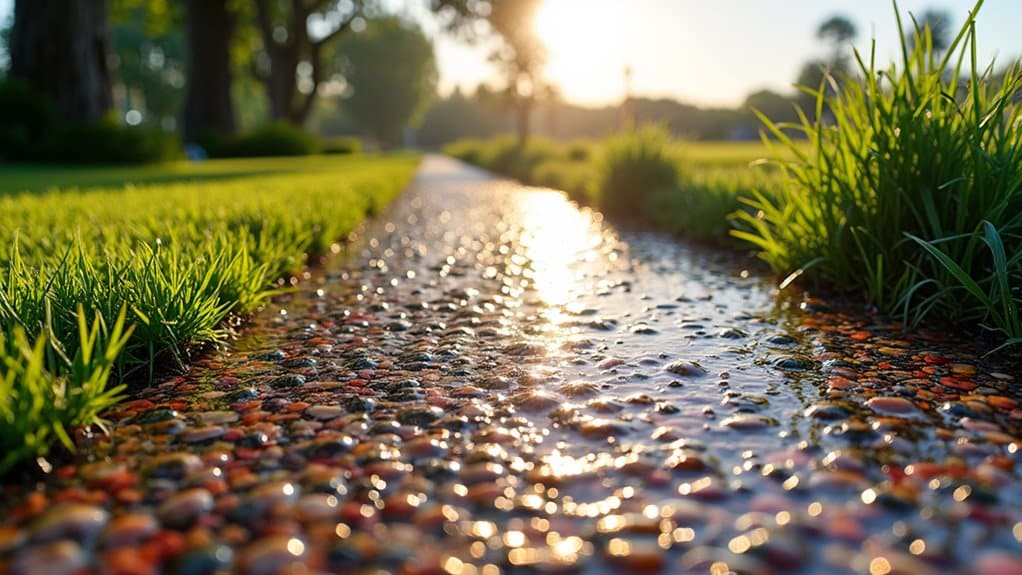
x,y
580,36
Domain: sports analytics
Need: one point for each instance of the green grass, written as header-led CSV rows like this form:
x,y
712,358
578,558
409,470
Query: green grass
x,y
175,258
705,202
16,178
912,194
632,167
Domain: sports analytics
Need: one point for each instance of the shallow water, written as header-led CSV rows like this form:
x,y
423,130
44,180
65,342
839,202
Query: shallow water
x,y
494,380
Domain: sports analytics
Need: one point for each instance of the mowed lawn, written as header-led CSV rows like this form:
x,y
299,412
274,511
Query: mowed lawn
x,y
172,249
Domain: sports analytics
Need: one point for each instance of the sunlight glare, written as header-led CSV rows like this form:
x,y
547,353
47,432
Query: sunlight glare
x,y
582,39
557,233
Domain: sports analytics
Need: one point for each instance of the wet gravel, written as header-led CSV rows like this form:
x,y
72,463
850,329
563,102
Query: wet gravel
x,y
496,381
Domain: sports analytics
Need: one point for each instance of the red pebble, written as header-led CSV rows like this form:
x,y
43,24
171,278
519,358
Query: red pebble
x,y
140,405
67,472
957,384
126,561
163,546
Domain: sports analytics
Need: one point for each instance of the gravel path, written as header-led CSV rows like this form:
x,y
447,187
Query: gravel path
x,y
495,381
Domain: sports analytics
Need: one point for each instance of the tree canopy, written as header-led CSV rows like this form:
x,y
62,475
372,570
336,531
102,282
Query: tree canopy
x,y
933,26
391,70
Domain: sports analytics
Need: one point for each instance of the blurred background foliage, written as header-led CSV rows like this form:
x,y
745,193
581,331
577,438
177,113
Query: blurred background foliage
x,y
209,71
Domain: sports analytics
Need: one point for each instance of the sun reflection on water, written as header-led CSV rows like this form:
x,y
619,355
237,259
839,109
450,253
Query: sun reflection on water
x,y
557,235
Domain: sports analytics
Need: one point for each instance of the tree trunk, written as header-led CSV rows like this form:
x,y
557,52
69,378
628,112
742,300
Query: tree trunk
x,y
287,104
208,106
523,109
280,83
59,47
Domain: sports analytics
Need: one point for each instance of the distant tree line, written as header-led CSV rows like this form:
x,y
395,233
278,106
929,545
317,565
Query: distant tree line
x,y
484,112
208,67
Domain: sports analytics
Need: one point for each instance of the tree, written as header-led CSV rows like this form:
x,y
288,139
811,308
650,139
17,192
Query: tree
x,y
520,53
294,34
934,25
839,32
60,48
208,106
392,72
777,107
148,44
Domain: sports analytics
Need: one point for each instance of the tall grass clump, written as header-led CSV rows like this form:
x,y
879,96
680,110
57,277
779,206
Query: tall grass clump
x,y
632,167
911,189
46,394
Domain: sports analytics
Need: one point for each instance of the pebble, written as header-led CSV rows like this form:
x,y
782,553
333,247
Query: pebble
x,y
685,368
209,559
185,507
420,415
687,461
897,406
536,400
130,529
288,381
747,422
827,411
793,363
217,417
272,555
72,520
998,563
202,434
325,412
635,554
11,538
579,389
57,558
174,465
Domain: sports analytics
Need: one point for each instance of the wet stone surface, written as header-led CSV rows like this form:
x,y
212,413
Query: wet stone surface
x,y
495,381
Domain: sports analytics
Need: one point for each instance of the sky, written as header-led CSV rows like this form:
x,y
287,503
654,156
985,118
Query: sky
x,y
711,53
704,52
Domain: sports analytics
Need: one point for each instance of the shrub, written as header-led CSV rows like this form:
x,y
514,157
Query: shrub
x,y
911,193
107,142
26,120
31,132
469,151
632,167
274,139
581,150
342,145
507,155
573,177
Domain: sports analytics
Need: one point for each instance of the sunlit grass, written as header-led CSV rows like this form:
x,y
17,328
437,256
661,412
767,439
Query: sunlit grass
x,y
176,258
632,167
912,190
